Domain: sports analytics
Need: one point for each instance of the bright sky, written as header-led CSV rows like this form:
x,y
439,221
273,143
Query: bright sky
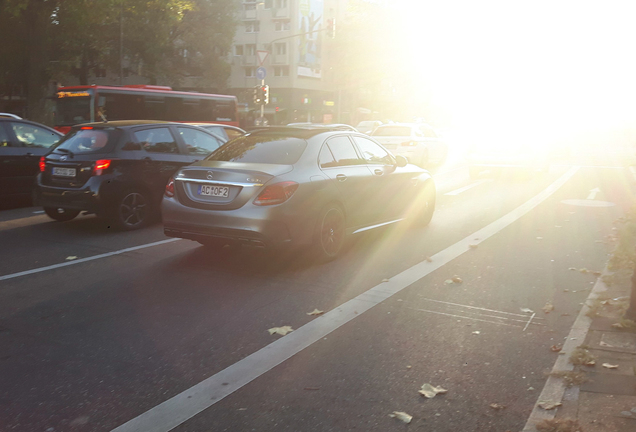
x,y
563,65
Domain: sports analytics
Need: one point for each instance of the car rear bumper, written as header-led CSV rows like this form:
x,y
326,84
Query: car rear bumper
x,y
251,226
86,198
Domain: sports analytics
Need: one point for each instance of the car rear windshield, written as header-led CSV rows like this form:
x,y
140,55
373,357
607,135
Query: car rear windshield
x,y
266,149
85,141
392,131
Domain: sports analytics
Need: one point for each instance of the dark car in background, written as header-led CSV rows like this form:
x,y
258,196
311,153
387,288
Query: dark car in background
x,y
295,186
222,131
22,143
117,170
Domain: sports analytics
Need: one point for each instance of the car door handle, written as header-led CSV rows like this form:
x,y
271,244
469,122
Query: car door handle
x,y
341,177
378,172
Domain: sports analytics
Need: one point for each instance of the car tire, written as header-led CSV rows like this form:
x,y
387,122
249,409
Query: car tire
x,y
330,233
426,207
133,210
61,214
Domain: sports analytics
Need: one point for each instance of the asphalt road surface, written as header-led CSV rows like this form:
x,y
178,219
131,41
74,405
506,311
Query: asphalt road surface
x,y
142,334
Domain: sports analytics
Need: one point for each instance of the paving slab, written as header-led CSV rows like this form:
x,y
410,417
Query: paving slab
x,y
602,413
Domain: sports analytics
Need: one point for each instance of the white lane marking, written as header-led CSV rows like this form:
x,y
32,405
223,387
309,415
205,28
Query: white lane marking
x,y
593,193
470,186
38,212
185,405
475,307
554,388
82,260
588,203
439,174
529,321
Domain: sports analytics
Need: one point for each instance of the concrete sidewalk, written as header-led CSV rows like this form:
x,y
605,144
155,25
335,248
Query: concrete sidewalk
x,y
600,396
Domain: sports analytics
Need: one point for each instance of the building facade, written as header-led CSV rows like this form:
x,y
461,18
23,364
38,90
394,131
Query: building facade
x,y
289,40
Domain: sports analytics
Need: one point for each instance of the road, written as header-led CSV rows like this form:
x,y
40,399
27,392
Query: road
x,y
104,330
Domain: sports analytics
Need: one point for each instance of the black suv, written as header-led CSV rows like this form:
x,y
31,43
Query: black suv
x,y
22,143
117,170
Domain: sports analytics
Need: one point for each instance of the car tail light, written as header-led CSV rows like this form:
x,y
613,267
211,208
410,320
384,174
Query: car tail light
x,y
169,192
101,165
42,163
409,144
276,193
86,128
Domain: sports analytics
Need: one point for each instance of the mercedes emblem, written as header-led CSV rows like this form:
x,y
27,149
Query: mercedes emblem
x,y
62,158
210,175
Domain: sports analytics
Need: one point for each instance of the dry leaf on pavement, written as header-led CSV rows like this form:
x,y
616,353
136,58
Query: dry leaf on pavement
x,y
556,348
549,307
497,406
526,310
610,366
429,259
549,405
457,279
573,268
448,282
280,330
71,258
385,280
401,415
430,391
473,246
476,332
316,312
584,270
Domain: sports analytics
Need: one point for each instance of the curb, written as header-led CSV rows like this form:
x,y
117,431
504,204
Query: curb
x,y
554,389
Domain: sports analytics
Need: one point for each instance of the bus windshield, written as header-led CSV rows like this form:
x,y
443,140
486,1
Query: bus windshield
x,y
71,110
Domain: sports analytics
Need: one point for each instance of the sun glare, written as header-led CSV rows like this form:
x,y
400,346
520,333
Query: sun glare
x,y
547,68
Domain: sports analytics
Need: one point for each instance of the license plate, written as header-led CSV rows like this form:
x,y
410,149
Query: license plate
x,y
64,172
215,191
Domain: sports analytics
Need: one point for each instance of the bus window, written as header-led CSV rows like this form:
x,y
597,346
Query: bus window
x,y
155,108
224,111
72,110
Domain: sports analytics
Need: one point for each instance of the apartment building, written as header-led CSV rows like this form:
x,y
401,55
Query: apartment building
x,y
290,40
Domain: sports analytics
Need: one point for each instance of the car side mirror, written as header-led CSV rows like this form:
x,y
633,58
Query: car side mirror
x,y
401,161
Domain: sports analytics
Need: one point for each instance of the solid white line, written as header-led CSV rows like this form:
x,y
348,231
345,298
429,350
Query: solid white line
x,y
465,188
554,388
83,260
185,405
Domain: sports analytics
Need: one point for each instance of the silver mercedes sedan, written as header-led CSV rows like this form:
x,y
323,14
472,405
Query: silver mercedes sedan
x,y
295,186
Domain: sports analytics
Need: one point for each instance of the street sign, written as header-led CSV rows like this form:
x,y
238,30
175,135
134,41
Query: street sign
x,y
262,55
261,73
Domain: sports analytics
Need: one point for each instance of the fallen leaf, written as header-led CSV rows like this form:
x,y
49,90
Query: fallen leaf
x,y
430,391
71,258
457,279
596,273
549,405
473,246
526,310
610,366
242,409
539,238
400,415
549,307
584,270
589,363
448,282
316,312
476,332
556,348
429,259
280,330
618,325
497,406
530,388
409,367
385,280
566,290
573,268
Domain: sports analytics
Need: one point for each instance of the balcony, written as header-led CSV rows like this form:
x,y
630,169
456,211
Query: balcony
x,y
280,13
249,14
280,59
248,60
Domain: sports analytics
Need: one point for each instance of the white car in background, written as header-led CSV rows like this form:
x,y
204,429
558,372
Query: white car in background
x,y
368,126
417,142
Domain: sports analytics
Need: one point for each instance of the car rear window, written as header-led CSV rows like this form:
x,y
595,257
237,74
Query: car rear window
x,y
266,149
85,141
392,131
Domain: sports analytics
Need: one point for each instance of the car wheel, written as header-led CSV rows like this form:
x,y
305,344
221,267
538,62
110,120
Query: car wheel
x,y
61,214
133,210
426,207
330,232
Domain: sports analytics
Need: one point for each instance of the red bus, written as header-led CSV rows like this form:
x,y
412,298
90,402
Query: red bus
x,y
83,104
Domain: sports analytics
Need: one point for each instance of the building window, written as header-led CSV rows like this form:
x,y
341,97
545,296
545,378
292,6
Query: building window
x,y
249,72
282,25
281,71
250,49
252,26
238,50
251,6
268,4
280,4
280,48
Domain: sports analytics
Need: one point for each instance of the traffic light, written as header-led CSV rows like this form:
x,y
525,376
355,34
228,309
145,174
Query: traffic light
x,y
331,28
258,95
265,90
